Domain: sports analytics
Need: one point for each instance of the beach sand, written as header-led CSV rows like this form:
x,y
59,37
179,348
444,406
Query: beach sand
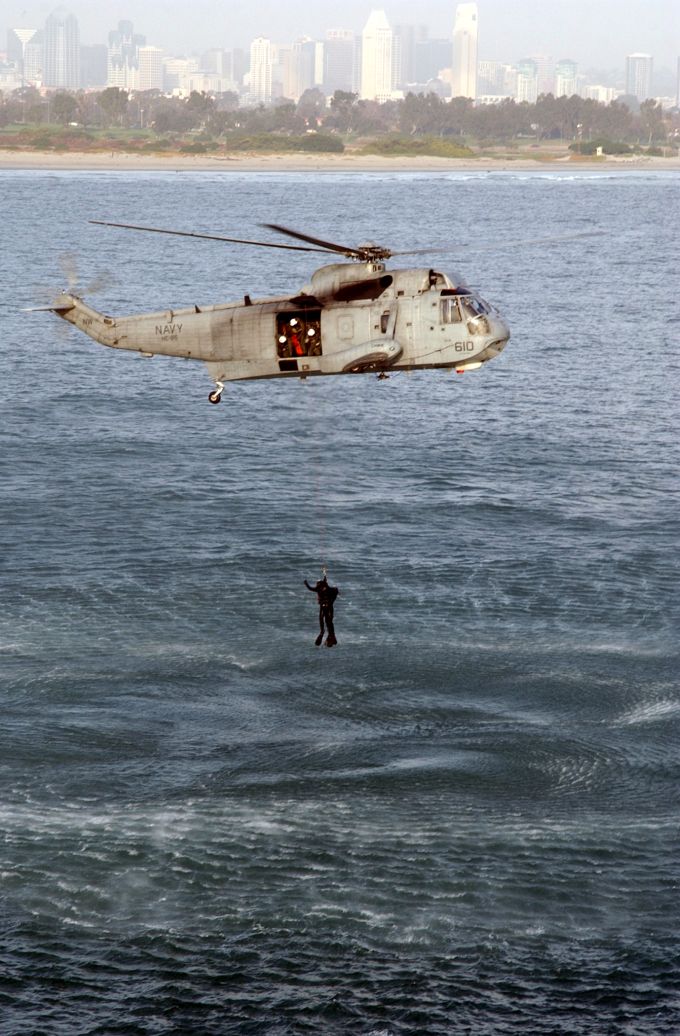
x,y
296,163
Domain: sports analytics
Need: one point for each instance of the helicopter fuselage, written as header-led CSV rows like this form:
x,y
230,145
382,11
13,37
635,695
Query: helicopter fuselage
x,y
349,319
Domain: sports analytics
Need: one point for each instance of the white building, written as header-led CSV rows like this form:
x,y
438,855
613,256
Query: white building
x,y
566,78
490,77
527,81
177,73
601,94
639,75
20,44
465,30
377,59
123,57
261,70
302,69
150,68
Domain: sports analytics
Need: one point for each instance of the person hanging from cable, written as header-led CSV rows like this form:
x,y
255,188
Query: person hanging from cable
x,y
326,595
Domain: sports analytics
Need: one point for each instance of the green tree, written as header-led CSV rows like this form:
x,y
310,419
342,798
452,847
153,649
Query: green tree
x,y
422,113
201,104
311,106
652,125
113,103
341,112
64,107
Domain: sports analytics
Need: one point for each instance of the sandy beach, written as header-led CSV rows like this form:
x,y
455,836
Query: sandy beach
x,y
296,163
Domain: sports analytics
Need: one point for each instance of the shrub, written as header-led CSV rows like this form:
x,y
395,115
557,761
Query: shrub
x,y
435,147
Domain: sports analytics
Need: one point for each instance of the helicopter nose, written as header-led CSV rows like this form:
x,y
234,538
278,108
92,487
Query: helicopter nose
x,y
500,335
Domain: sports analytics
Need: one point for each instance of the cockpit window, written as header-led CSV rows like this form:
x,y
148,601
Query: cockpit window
x,y
473,307
450,311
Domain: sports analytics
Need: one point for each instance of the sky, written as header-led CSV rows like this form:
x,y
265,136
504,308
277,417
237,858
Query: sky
x,y
595,33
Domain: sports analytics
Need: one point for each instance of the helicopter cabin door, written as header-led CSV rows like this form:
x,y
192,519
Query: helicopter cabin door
x,y
298,340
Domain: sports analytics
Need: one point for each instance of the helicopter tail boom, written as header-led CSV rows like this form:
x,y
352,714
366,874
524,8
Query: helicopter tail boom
x,y
149,334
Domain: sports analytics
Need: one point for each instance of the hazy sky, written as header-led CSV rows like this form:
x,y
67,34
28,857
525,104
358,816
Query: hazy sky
x,y
595,33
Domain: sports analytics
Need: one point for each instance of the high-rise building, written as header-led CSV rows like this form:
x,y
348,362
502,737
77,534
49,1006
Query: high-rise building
x,y
491,75
261,70
465,32
639,76
34,59
545,71
123,59
239,65
177,73
300,71
150,61
431,57
408,37
17,42
377,59
338,61
527,81
566,75
61,66
217,62
93,65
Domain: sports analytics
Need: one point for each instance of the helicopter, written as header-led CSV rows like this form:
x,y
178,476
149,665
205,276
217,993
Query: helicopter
x,y
352,317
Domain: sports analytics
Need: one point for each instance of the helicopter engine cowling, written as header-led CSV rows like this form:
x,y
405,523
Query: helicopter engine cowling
x,y
337,279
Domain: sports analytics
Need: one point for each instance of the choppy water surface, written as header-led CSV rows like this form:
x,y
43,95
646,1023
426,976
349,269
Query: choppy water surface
x,y
465,817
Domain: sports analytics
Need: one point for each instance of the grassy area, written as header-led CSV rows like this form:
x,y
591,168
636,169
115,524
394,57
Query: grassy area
x,y
78,139
411,147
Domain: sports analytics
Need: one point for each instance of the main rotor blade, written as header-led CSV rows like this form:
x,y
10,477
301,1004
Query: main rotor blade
x,y
423,251
487,246
206,237
329,245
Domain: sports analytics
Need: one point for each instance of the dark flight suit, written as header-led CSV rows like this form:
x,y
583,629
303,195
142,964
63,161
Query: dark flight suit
x,y
326,596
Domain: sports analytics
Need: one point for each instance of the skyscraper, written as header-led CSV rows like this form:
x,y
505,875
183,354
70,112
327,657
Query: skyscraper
x,y
150,68
527,81
17,42
565,78
261,69
639,75
123,60
464,79
338,55
93,65
300,68
377,64
62,51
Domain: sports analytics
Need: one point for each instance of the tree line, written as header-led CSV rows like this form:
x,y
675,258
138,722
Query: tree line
x,y
572,119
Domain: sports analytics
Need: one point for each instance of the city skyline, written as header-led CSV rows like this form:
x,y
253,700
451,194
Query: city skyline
x,y
596,34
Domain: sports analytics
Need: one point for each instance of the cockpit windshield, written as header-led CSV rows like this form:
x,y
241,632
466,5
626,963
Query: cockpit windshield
x,y
473,307
456,307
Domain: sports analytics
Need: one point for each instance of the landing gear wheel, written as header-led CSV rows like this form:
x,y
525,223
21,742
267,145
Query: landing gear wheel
x,y
215,397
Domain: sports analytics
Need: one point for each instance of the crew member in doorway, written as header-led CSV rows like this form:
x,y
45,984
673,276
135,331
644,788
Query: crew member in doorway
x,y
326,596
297,347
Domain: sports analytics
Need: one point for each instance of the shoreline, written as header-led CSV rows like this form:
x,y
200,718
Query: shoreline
x,y
296,163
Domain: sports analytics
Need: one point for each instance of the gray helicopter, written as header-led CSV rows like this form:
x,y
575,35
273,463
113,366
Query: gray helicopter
x,y
352,318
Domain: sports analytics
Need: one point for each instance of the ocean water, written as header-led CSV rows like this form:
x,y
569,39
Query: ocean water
x,y
464,818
